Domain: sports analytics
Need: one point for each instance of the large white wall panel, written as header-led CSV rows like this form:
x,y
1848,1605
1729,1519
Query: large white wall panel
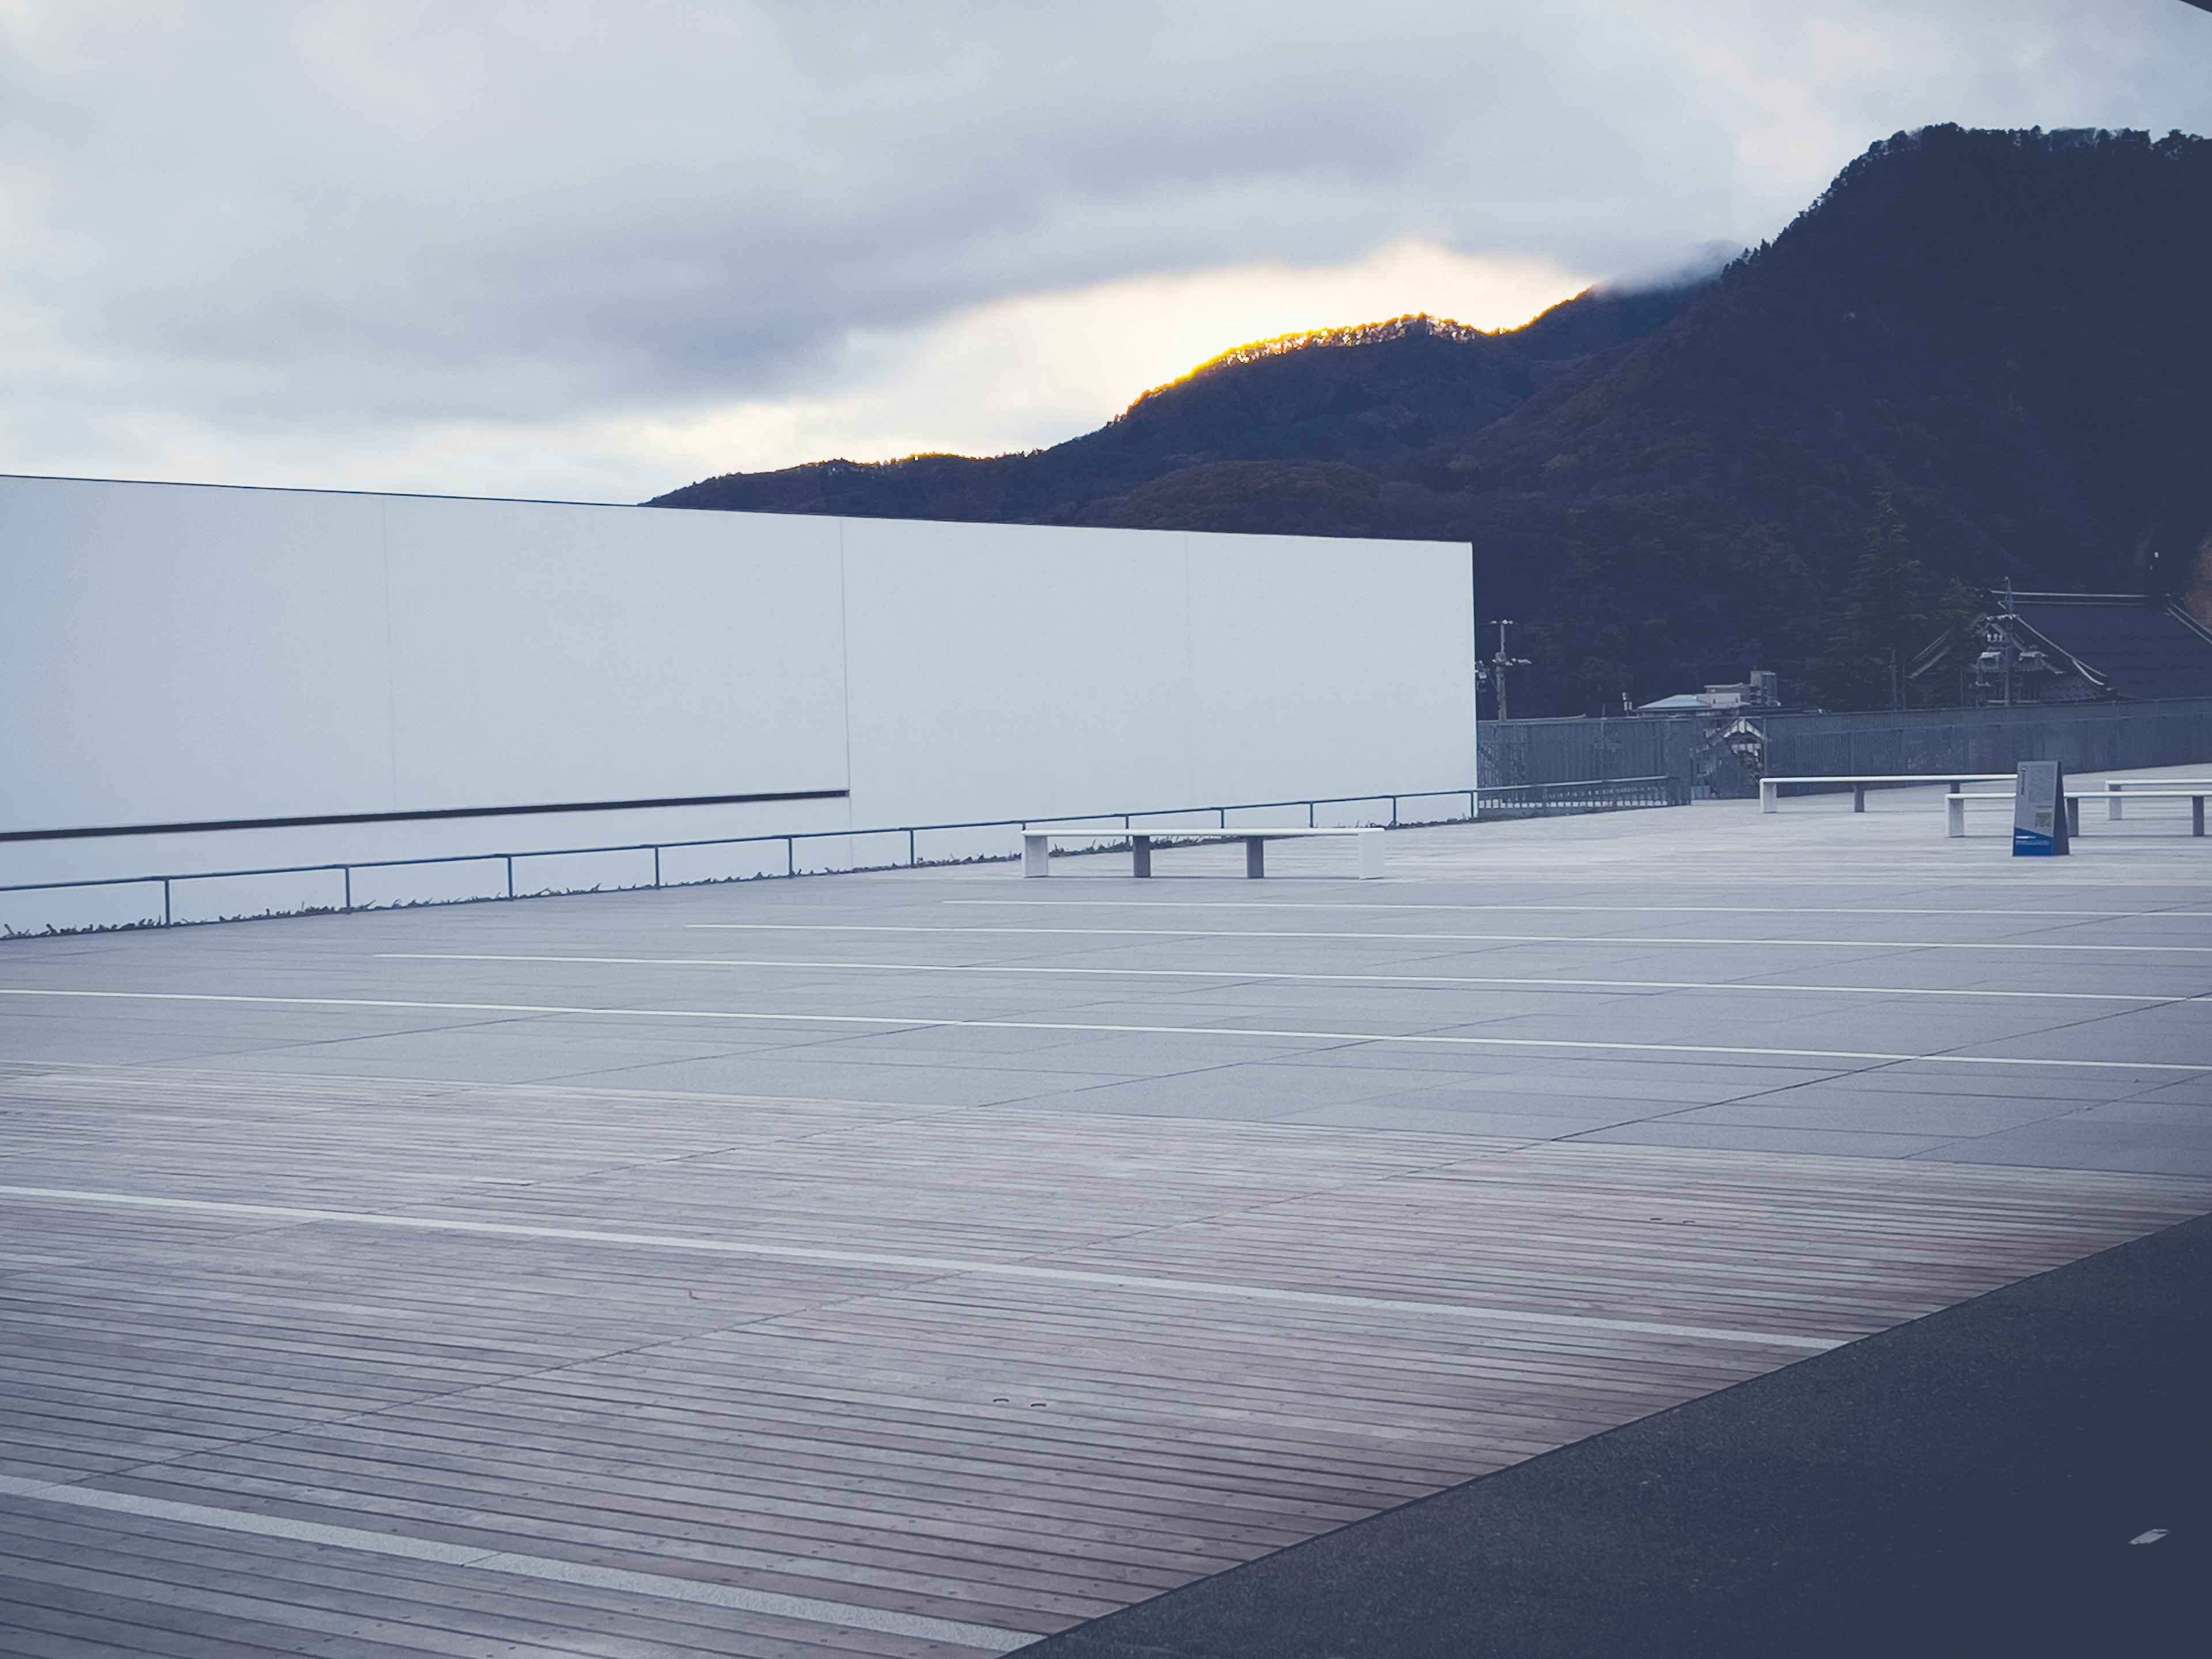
x,y
1005,670
184,654
1330,668
1002,670
174,654
544,652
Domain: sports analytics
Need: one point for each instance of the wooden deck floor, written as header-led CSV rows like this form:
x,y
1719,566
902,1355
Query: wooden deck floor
x,y
358,1367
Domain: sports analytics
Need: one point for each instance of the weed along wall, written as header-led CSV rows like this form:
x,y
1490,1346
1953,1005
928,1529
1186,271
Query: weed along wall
x,y
201,679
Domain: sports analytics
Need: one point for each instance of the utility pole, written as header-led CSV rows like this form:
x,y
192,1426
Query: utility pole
x,y
2011,645
1501,663
2007,667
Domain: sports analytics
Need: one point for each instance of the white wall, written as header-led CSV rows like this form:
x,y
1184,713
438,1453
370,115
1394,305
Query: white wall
x,y
184,655
178,654
559,653
1005,670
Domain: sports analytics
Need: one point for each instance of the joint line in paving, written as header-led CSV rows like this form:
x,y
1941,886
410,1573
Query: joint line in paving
x,y
1560,910
1261,974
933,1264
1453,938
1852,1059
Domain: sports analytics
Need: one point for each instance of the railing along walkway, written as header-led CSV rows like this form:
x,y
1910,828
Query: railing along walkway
x,y
1109,824
1579,795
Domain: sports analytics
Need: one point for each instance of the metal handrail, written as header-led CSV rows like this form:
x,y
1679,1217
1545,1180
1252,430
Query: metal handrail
x,y
1570,783
1579,795
790,839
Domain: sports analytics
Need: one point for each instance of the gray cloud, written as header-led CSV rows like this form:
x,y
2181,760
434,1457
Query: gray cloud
x,y
260,216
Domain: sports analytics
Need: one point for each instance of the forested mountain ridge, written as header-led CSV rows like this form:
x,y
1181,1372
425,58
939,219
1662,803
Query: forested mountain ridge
x,y
2009,334
1368,394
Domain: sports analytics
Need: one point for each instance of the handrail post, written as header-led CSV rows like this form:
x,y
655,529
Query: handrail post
x,y
349,888
166,922
656,869
510,874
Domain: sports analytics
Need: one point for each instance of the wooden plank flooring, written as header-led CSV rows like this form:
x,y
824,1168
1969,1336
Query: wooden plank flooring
x,y
1082,1360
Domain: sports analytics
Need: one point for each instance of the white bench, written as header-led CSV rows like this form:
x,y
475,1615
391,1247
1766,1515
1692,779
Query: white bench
x,y
1955,804
1769,796
2114,789
1036,845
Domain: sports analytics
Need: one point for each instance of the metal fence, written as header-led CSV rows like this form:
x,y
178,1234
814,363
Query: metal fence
x,y
1543,800
1517,755
1723,754
2106,736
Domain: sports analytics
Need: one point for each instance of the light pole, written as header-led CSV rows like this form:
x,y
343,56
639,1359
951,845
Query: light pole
x,y
2007,666
1501,663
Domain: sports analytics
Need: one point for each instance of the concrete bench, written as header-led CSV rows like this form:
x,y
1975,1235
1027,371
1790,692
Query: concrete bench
x,y
2115,787
1036,845
1955,804
1770,788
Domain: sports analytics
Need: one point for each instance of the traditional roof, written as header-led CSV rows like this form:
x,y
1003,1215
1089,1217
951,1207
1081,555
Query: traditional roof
x,y
2142,648
2089,647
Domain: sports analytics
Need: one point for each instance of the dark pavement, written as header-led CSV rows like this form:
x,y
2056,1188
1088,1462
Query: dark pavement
x,y
1965,1484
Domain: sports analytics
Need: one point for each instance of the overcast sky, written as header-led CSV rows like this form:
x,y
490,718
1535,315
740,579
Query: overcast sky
x,y
598,251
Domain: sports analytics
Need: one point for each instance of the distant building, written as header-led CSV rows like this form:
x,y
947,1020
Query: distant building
x,y
1761,690
2068,647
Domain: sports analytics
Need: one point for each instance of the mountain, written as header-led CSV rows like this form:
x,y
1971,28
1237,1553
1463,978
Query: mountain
x,y
2010,334
2007,334
1370,396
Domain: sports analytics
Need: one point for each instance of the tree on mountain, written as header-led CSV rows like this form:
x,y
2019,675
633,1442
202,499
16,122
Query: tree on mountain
x,y
1885,620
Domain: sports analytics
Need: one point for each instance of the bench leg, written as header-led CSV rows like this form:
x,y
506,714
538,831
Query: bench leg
x,y
1859,798
1140,856
1768,793
1370,858
2073,818
2197,815
1256,857
2112,806
1954,809
1036,855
